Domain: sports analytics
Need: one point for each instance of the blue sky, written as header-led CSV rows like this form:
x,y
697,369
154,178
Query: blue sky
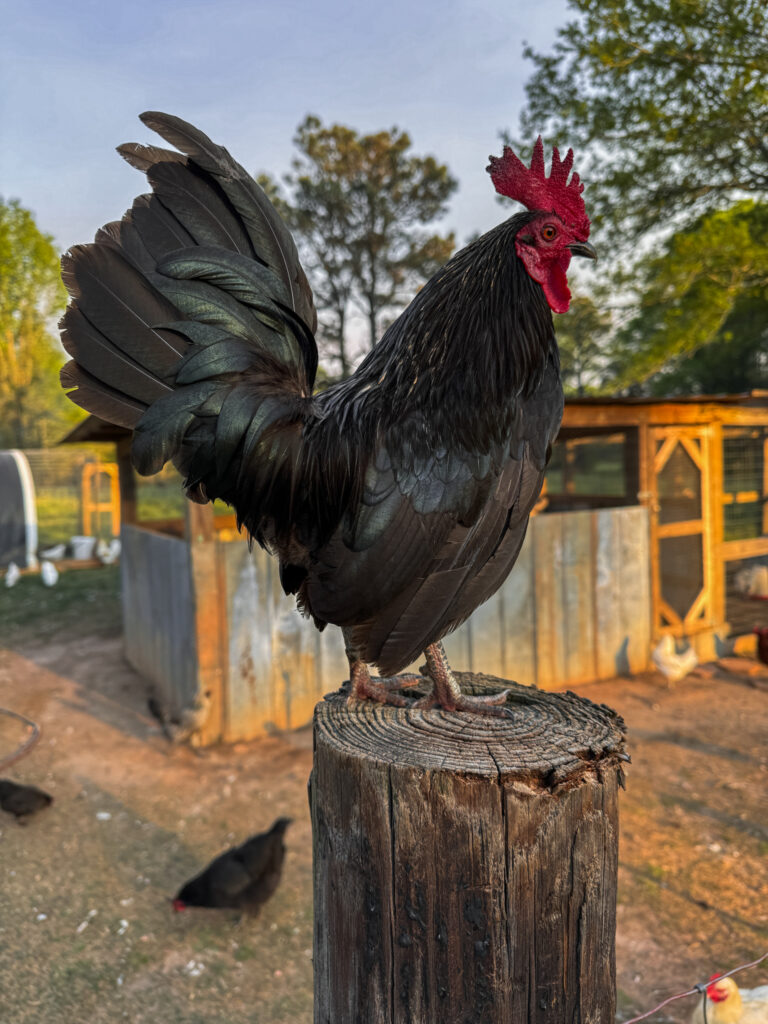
x,y
75,74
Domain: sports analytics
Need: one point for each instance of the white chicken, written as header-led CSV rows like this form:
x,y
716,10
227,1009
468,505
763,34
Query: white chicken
x,y
673,666
108,553
753,581
12,575
54,554
49,574
728,1004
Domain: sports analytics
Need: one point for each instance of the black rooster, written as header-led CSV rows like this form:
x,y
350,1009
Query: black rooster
x,y
22,801
242,878
396,501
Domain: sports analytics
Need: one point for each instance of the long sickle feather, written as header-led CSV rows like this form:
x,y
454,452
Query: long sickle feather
x,y
100,358
119,301
95,397
271,238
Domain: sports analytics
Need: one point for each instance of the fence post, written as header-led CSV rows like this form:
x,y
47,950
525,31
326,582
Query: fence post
x,y
465,867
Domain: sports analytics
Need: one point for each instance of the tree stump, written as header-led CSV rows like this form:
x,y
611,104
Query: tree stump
x,y
465,866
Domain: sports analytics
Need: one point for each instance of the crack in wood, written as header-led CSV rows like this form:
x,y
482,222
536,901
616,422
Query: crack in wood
x,y
494,846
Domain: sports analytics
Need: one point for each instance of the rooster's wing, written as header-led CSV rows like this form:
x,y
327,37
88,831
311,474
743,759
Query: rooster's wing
x,y
435,534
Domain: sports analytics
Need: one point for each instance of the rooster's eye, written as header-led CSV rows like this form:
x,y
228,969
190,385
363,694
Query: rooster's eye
x,y
548,232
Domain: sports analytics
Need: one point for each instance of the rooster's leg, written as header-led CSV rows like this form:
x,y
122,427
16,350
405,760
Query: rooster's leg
x,y
385,690
446,692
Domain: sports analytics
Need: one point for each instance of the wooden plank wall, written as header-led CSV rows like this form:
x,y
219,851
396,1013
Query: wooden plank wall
x,y
158,614
279,665
575,608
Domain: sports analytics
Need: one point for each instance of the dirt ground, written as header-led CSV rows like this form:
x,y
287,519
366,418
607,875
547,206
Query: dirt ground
x,y
87,935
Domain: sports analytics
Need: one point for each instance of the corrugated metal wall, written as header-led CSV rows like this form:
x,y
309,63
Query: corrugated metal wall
x,y
575,608
158,614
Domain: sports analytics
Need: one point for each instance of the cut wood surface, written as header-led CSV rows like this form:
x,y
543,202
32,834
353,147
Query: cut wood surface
x,y
465,866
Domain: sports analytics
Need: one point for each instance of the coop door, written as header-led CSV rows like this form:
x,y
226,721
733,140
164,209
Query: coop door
x,y
680,518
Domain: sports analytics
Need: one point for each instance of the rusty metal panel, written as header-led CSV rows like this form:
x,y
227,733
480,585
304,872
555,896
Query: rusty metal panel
x,y
516,609
575,607
548,599
633,569
458,646
611,640
279,666
158,614
331,664
249,697
578,588
211,631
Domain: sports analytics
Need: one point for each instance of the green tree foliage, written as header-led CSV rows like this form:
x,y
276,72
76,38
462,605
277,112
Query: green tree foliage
x,y
582,334
360,206
33,409
666,105
710,284
735,362
668,97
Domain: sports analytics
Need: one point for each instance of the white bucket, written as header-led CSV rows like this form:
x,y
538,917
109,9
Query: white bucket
x,y
82,548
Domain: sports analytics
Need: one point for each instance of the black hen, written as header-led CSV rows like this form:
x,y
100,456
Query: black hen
x,y
396,501
762,643
22,801
242,878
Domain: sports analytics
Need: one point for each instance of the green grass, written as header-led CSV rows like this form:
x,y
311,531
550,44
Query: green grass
x,y
157,499
58,517
83,602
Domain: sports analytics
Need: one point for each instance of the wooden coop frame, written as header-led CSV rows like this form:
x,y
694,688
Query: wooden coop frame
x,y
700,467
93,478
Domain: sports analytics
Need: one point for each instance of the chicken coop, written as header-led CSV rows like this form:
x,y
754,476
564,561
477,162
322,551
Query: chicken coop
x,y
55,501
205,616
700,467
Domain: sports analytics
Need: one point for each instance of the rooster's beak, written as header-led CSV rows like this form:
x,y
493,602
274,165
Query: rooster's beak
x,y
583,249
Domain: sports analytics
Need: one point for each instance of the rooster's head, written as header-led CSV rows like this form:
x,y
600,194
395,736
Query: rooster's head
x,y
559,228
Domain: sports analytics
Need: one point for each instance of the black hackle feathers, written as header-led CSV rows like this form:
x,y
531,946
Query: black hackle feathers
x,y
397,500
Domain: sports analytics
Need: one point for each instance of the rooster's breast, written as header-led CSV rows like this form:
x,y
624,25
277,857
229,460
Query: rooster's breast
x,y
434,535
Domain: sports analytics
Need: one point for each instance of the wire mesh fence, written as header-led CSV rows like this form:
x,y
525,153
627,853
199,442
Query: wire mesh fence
x,y
599,468
744,482
75,493
57,476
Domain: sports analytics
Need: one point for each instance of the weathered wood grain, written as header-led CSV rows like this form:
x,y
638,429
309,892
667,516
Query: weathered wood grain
x,y
211,615
517,611
211,627
634,589
548,599
609,639
465,867
578,583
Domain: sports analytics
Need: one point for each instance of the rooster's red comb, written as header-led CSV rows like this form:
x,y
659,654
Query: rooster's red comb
x,y
531,186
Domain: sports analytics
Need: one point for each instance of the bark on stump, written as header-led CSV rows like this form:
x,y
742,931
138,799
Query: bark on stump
x,y
465,867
